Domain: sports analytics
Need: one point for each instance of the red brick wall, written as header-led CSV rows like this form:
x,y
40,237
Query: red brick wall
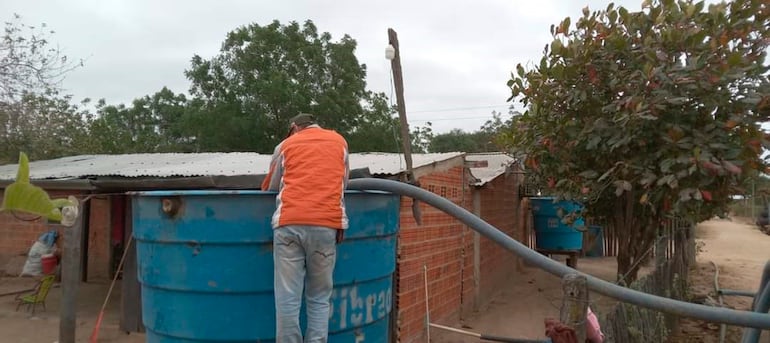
x,y
17,236
99,251
443,245
499,207
17,233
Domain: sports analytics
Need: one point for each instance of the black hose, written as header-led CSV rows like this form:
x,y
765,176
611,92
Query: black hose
x,y
679,308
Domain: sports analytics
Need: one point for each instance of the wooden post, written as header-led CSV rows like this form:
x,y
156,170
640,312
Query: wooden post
x,y
476,252
574,306
398,79
406,141
70,279
131,295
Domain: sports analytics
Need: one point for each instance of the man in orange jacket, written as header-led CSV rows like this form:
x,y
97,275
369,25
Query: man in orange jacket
x,y
309,169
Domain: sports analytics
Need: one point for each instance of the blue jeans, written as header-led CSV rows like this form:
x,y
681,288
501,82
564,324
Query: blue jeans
x,y
304,257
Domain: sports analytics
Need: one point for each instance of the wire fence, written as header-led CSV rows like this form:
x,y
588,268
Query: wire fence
x,y
749,208
674,254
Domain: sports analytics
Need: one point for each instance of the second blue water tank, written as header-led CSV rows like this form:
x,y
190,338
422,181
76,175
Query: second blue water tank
x,y
551,231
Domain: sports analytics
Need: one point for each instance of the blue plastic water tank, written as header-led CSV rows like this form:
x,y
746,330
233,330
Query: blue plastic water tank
x,y
551,233
595,238
207,273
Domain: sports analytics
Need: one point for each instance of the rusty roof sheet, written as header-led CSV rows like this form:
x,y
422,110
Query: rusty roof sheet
x,y
497,164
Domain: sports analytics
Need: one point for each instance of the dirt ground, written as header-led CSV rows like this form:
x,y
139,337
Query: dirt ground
x,y
43,327
526,301
740,251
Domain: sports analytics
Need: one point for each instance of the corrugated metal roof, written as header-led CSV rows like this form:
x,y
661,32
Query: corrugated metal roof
x,y
497,164
196,164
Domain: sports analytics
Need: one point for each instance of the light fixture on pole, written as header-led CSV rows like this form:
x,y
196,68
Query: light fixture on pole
x,y
390,52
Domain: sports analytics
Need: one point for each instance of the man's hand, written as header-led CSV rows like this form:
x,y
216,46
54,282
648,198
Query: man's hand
x,y
340,236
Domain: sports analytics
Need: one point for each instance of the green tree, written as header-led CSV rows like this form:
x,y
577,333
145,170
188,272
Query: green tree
x,y
378,131
153,123
421,138
264,75
34,116
645,115
481,140
459,140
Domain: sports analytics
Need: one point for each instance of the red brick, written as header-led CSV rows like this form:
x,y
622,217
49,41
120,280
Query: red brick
x,y
446,247
17,236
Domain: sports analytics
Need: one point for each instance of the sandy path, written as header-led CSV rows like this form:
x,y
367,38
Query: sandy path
x,y
740,251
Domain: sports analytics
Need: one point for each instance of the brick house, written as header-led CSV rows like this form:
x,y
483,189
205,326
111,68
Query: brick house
x,y
463,267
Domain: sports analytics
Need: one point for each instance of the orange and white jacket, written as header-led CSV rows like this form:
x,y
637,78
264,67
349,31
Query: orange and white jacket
x,y
310,172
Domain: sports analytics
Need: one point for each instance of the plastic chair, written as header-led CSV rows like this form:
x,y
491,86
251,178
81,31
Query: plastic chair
x,y
39,295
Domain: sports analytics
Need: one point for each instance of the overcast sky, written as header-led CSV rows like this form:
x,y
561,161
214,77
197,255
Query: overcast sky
x,y
456,55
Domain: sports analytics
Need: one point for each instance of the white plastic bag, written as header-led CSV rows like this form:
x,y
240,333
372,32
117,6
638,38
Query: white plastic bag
x,y
34,266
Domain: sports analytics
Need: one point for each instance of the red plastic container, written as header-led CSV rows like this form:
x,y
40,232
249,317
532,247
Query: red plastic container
x,y
49,263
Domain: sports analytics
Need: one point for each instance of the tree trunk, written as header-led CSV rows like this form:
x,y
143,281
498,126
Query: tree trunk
x,y
636,235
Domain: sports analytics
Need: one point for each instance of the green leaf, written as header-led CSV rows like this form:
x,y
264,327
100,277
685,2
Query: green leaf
x,y
665,165
677,100
556,46
699,6
520,70
606,174
735,59
22,174
59,203
648,179
618,190
621,186
668,179
593,142
23,196
623,14
696,194
565,25
589,174
690,10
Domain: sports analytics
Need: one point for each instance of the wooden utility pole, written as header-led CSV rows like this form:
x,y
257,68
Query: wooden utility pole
x,y
406,140
574,306
70,279
398,79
